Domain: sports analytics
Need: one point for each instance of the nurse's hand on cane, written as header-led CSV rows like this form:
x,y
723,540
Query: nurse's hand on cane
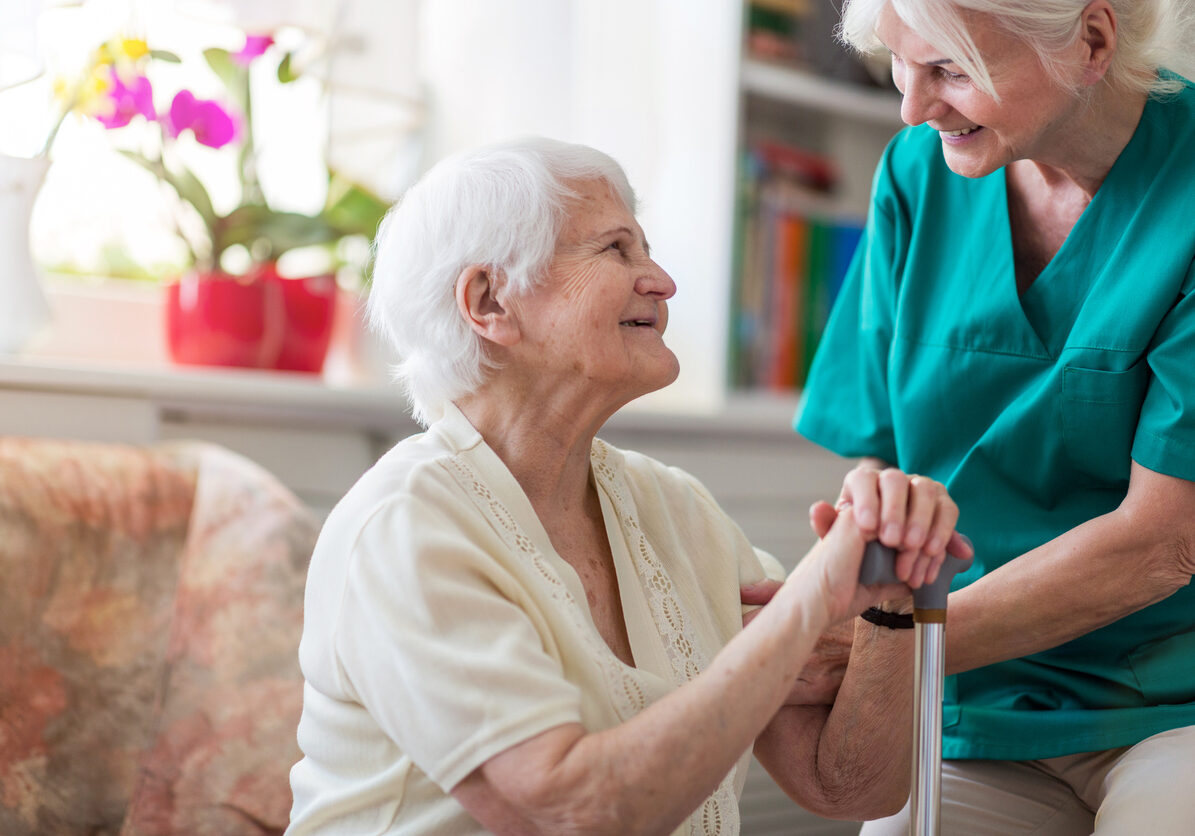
x,y
911,514
883,496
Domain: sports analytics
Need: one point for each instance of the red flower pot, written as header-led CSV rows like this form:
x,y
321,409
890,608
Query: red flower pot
x,y
259,321
213,319
308,308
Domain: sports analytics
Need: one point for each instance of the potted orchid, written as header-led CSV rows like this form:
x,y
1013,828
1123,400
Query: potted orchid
x,y
249,316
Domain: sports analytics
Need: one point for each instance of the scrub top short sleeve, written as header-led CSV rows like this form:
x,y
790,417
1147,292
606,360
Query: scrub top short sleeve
x,y
844,404
1165,439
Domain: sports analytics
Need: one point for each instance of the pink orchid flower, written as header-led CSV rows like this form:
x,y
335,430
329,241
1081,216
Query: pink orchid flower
x,y
254,46
126,101
212,125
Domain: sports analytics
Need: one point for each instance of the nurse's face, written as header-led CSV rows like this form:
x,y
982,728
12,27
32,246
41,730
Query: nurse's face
x,y
980,134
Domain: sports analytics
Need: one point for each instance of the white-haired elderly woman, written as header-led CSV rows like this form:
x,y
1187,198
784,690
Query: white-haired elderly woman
x,y
513,627
1019,324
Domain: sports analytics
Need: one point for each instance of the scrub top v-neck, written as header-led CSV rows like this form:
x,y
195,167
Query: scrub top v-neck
x,y
1030,407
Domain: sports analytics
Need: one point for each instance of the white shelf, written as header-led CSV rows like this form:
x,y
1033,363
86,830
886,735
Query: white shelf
x,y
838,98
235,393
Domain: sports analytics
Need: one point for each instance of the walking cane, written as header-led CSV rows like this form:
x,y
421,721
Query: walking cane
x,y
929,620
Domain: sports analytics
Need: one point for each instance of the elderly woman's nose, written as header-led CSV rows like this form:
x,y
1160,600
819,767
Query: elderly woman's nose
x,y
655,282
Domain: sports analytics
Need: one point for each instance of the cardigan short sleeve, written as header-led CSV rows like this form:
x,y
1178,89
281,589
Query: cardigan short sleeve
x,y
450,691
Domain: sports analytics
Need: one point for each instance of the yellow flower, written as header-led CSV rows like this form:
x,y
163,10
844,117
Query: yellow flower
x,y
133,48
92,94
102,56
88,95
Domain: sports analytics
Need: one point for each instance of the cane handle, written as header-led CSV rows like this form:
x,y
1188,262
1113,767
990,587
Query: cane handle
x,y
879,566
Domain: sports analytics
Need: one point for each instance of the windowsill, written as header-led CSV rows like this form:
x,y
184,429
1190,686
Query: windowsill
x,y
107,339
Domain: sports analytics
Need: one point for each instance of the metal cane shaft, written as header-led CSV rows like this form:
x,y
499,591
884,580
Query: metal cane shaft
x,y
929,618
926,794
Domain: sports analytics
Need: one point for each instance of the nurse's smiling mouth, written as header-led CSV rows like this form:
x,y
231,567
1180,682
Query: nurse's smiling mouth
x,y
960,135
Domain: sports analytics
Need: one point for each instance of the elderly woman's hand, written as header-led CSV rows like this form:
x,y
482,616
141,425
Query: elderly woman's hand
x,y
820,679
887,496
912,514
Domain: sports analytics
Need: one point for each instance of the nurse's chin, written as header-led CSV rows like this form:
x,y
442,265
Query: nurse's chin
x,y
967,165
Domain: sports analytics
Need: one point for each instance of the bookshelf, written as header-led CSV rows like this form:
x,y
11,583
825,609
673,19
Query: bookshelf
x,y
836,99
813,122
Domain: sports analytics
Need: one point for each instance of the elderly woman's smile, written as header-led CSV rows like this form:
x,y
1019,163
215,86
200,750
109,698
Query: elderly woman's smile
x,y
601,275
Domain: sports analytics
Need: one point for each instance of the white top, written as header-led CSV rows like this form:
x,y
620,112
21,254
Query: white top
x,y
441,628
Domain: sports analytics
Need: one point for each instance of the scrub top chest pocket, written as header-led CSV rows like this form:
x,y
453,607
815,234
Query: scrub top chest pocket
x,y
1100,410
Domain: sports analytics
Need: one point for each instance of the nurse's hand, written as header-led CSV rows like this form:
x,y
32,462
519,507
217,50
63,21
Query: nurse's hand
x,y
909,513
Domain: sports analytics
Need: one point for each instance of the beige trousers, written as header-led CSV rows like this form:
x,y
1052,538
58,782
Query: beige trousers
x,y
1142,790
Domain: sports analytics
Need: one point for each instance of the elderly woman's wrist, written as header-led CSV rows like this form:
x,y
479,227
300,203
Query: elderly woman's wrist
x,y
887,618
896,614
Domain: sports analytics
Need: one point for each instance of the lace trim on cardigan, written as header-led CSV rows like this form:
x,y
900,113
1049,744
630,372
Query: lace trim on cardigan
x,y
622,683
719,813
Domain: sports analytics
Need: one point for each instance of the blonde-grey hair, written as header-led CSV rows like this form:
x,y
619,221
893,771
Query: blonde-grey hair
x,y
502,206
1151,34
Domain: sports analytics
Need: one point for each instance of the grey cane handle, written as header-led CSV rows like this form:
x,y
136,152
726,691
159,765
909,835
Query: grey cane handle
x,y
879,566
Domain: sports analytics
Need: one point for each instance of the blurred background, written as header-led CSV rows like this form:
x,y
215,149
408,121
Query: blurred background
x,y
749,134
189,188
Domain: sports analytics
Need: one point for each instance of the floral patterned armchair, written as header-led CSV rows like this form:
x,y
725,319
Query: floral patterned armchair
x,y
150,612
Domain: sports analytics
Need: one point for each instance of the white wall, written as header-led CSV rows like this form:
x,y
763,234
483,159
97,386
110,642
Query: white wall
x,y
651,82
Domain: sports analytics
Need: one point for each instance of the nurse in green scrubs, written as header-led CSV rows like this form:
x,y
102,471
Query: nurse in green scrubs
x,y
1019,324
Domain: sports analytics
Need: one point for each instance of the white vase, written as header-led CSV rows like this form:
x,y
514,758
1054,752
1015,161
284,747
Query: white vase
x,y
23,305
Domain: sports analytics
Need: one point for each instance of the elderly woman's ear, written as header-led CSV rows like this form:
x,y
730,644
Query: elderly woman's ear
x,y
479,299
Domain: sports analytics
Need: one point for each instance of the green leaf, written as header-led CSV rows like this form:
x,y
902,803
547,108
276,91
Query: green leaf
x,y
154,167
165,55
190,189
281,231
285,74
352,209
184,183
234,76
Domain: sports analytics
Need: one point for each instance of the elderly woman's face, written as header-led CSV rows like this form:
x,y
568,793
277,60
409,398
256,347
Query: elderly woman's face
x,y
599,316
980,134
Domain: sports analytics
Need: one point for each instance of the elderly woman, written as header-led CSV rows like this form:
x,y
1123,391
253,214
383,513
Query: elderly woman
x,y
514,627
1019,324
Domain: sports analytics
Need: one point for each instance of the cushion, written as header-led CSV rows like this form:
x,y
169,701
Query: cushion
x,y
149,624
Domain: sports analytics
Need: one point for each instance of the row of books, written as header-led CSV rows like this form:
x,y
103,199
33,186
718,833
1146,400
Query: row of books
x,y
792,251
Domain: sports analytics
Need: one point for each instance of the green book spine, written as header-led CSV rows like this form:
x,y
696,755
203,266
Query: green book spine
x,y
817,290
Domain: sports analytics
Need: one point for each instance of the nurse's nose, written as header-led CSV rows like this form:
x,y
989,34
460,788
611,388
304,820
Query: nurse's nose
x,y
919,100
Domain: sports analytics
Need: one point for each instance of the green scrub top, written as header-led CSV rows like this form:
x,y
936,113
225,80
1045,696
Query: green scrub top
x,y
1029,408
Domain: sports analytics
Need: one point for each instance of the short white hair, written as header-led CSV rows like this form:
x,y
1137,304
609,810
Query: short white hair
x,y
500,206
1151,34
